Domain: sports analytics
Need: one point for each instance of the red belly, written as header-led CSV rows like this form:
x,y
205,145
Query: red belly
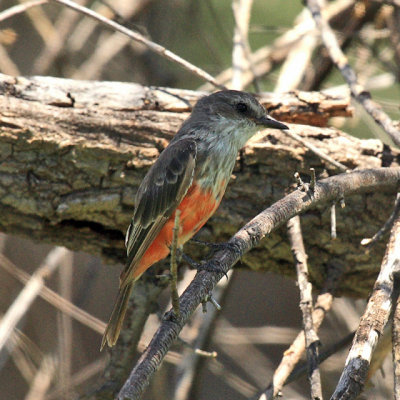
x,y
196,208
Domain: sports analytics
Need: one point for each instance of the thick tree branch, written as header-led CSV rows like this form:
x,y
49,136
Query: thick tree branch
x,y
325,192
72,154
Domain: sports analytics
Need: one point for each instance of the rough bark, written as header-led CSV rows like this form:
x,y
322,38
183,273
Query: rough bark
x,y
72,154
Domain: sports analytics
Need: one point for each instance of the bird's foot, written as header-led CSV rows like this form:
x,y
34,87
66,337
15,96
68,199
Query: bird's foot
x,y
212,266
214,247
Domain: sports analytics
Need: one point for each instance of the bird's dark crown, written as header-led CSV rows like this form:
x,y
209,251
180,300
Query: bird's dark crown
x,y
231,104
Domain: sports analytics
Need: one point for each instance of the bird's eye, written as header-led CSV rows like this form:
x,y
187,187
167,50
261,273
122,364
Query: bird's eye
x,y
241,107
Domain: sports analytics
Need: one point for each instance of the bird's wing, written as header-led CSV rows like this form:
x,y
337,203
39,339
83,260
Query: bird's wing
x,y
160,192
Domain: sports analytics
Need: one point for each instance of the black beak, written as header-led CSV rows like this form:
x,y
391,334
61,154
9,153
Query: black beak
x,y
269,122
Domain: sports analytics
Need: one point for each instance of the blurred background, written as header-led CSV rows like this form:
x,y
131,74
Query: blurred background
x,y
53,356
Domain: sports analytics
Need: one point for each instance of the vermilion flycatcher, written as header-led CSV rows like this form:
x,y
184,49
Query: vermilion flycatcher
x,y
190,175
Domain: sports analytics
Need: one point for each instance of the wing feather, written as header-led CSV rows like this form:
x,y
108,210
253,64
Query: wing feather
x,y
160,192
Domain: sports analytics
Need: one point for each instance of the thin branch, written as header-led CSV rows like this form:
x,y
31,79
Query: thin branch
x,y
306,306
293,354
241,54
42,380
341,167
29,293
372,322
396,340
157,48
342,63
15,10
174,266
369,242
55,299
326,191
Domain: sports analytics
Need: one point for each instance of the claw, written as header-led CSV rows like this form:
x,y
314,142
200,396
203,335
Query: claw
x,y
214,247
211,266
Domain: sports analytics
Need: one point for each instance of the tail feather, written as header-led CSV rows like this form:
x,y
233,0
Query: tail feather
x,y
114,325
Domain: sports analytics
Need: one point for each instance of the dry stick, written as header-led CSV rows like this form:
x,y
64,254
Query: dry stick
x,y
341,61
396,341
15,10
28,294
264,58
326,191
55,41
372,322
293,354
174,266
43,379
241,53
341,167
65,328
87,372
189,364
370,242
306,305
55,299
157,48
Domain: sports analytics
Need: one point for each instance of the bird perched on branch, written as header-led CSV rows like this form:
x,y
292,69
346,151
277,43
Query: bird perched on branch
x,y
190,175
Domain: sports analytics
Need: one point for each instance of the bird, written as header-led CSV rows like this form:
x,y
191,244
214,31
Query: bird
x,y
190,175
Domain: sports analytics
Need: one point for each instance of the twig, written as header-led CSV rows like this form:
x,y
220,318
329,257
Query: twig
x,y
241,54
187,368
396,340
370,242
341,167
341,61
55,40
64,327
55,299
42,380
28,294
174,266
306,306
333,221
264,58
326,190
20,8
160,50
87,372
372,322
293,354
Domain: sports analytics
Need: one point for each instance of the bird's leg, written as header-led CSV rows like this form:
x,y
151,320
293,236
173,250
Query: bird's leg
x,y
214,247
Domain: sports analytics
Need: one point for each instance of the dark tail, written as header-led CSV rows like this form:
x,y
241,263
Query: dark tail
x,y
117,316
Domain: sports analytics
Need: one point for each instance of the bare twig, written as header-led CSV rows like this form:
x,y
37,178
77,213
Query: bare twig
x,y
341,61
333,221
160,50
241,54
20,8
293,354
306,306
385,228
190,363
341,167
372,322
55,299
174,266
28,294
396,340
42,380
326,190
64,325
87,372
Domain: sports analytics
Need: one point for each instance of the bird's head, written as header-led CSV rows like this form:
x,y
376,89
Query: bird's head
x,y
232,112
